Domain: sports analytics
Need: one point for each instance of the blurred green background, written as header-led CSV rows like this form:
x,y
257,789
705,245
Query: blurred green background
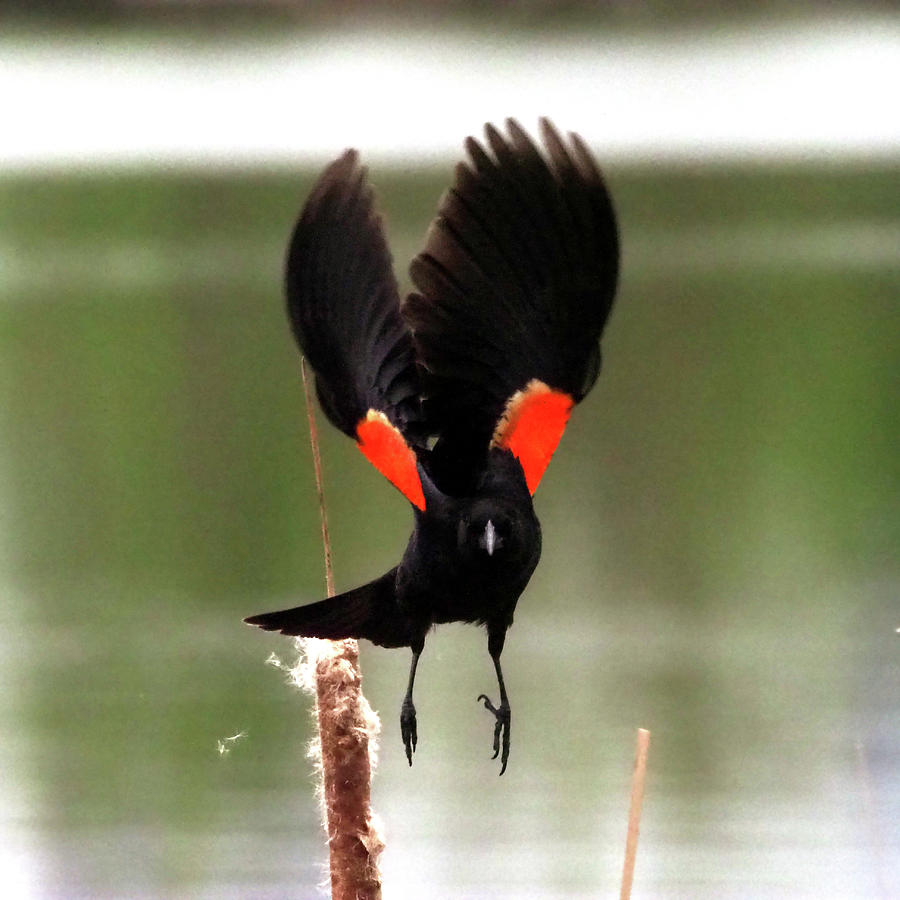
x,y
720,554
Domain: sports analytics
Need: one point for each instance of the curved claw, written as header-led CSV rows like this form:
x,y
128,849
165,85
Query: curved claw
x,y
408,729
503,715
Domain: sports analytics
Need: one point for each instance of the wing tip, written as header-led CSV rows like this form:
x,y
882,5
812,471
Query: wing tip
x,y
339,170
571,152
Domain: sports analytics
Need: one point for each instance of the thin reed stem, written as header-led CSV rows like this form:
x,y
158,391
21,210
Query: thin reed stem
x,y
634,814
320,482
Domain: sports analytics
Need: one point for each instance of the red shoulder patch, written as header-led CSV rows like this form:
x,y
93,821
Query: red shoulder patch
x,y
385,447
531,426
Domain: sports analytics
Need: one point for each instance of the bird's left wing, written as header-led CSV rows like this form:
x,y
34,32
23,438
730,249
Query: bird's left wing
x,y
513,291
344,308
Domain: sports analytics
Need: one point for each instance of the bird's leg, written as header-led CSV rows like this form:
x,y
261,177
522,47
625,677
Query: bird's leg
x,y
408,709
502,713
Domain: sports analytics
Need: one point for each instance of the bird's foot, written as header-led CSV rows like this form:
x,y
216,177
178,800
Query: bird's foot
x,y
503,716
408,728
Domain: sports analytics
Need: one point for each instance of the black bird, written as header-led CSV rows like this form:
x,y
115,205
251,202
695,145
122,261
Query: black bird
x,y
459,394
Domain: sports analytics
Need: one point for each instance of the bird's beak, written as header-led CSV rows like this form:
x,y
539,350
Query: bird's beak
x,y
490,537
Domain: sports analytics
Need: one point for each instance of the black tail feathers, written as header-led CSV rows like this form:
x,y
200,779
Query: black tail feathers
x,y
369,611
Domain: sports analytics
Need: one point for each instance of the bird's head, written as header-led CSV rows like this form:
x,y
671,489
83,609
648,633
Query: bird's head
x,y
487,532
496,529
496,534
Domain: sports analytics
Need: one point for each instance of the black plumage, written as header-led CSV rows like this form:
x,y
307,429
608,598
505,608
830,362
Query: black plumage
x,y
460,393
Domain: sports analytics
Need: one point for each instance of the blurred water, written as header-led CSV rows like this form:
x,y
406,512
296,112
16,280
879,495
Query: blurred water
x,y
811,86
719,564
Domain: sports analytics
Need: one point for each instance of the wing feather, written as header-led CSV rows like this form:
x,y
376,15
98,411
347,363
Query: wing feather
x,y
344,308
513,290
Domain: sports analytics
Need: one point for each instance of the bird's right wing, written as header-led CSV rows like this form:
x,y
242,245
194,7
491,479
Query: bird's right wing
x,y
514,288
344,308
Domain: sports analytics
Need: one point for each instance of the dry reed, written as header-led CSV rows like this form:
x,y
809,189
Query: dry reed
x,y
634,814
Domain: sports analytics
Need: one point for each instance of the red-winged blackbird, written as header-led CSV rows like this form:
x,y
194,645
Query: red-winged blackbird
x,y
459,394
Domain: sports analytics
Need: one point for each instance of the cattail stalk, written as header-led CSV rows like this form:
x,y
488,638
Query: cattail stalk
x,y
348,730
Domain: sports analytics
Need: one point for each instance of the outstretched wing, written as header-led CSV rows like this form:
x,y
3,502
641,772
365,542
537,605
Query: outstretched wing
x,y
513,290
344,308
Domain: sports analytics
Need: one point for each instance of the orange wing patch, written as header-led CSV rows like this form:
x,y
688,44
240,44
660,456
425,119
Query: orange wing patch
x,y
383,445
531,425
